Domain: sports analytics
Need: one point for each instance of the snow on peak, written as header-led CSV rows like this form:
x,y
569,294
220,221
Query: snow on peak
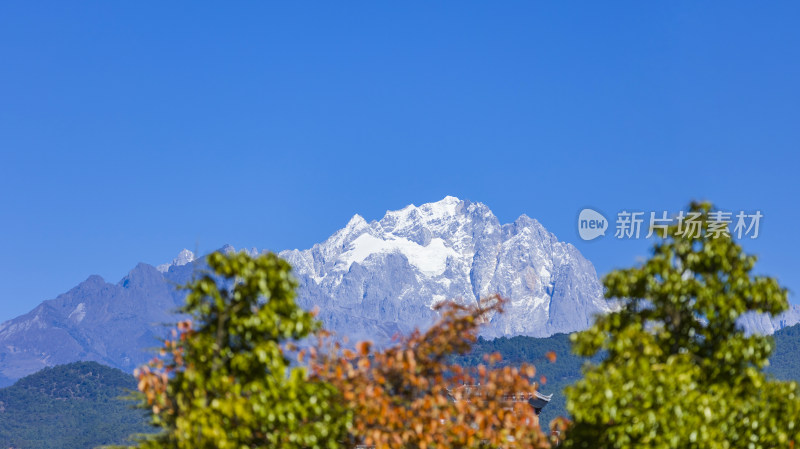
x,y
411,231
430,259
431,215
184,257
79,313
356,223
442,208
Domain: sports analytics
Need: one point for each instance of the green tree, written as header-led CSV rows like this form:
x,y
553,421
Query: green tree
x,y
678,372
224,380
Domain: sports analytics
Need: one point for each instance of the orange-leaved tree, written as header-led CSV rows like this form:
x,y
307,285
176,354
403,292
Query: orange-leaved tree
x,y
410,396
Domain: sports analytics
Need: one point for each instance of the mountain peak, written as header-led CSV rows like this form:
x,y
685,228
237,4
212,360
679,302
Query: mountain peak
x,y
434,216
94,279
356,223
445,205
183,257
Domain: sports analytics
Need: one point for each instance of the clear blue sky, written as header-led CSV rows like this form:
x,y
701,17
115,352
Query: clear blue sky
x,y
130,130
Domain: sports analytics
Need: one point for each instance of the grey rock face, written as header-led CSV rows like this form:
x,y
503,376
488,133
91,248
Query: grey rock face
x,y
95,321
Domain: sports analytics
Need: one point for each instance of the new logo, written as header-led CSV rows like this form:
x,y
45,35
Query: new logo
x,y
591,224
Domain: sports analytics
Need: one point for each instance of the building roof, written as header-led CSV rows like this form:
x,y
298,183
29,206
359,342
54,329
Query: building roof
x,y
536,399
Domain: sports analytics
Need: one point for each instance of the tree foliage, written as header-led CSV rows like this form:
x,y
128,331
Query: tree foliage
x,y
678,371
409,396
225,380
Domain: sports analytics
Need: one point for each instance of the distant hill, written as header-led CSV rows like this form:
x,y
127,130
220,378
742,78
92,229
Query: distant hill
x,y
69,406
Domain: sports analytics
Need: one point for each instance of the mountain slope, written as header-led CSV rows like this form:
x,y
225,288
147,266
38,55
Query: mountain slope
x,y
70,406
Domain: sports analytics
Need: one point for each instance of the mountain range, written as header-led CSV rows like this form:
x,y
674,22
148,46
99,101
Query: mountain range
x,y
369,280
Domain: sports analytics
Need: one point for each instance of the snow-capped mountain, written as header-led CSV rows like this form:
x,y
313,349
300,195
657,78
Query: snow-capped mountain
x,y
374,279
370,280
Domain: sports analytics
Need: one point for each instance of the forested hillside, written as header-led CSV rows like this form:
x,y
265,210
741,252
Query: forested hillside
x,y
69,406
785,360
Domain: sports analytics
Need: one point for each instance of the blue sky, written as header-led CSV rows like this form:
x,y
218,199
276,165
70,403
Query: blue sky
x,y
130,130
